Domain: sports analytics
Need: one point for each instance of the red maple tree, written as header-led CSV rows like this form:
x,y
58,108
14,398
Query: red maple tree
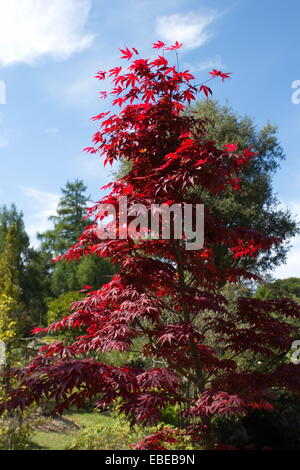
x,y
164,294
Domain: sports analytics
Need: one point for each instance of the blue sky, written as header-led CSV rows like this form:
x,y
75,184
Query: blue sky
x,y
50,51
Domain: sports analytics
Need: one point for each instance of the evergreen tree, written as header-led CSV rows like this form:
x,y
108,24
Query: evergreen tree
x,y
10,269
10,265
9,216
70,221
36,284
32,265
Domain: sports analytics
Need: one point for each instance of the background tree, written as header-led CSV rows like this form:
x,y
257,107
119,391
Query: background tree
x,y
14,321
10,279
31,264
7,324
255,205
281,288
69,222
36,284
8,217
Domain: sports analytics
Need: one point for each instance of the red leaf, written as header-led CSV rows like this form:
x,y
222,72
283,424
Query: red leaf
x,y
231,147
100,75
127,54
218,73
175,46
115,72
158,45
206,90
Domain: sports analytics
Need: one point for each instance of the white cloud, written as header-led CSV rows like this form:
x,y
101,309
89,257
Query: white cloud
x,y
43,205
189,28
30,29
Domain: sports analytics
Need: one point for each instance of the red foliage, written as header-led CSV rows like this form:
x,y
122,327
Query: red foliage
x,y
163,293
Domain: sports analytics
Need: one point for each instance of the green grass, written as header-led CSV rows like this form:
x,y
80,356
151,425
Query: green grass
x,y
42,440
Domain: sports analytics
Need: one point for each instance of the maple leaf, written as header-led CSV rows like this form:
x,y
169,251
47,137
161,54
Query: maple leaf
x,y
206,90
118,101
188,95
175,46
115,71
231,147
218,73
99,116
249,153
158,45
100,75
36,330
161,61
127,53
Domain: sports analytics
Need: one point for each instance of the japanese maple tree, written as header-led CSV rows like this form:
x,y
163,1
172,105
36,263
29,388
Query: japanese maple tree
x,y
163,293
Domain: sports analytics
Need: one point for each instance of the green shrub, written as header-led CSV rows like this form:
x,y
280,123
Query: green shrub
x,y
118,435
15,432
115,436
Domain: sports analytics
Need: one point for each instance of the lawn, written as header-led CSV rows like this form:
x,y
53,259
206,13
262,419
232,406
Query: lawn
x,y
43,440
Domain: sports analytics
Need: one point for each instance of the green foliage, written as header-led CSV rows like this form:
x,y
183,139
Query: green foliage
x,y
233,291
73,275
36,282
119,435
15,433
171,415
7,324
255,206
60,307
69,221
8,217
27,266
10,281
112,436
289,288
10,265
95,271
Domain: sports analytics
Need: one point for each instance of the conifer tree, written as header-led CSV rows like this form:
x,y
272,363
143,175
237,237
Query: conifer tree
x,y
69,222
